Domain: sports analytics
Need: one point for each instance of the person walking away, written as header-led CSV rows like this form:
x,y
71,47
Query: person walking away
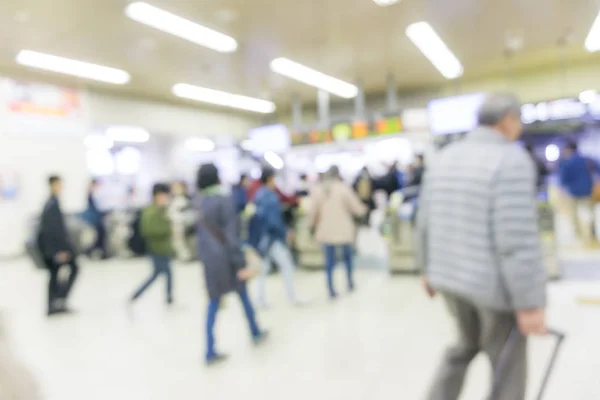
x,y
480,248
334,209
219,249
273,237
365,187
179,211
95,217
240,193
57,250
577,178
541,170
156,229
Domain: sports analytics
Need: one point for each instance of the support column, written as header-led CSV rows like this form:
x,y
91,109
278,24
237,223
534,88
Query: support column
x,y
360,104
323,109
391,103
296,113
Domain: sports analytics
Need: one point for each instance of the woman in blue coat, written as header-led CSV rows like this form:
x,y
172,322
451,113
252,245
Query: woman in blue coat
x,y
219,249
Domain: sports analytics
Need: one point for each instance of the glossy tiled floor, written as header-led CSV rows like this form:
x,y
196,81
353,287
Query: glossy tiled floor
x,y
381,343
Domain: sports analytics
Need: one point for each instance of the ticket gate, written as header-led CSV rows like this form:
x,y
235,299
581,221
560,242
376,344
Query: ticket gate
x,y
400,236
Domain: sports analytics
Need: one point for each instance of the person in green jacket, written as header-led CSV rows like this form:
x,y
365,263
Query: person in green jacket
x,y
156,230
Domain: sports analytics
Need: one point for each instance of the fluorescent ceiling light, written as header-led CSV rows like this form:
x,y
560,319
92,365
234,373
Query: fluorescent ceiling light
x,y
430,44
592,42
181,27
385,3
199,144
247,145
309,76
96,142
274,160
588,96
129,134
223,98
68,66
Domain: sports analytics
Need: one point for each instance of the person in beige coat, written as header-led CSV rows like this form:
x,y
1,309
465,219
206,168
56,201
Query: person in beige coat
x,y
334,209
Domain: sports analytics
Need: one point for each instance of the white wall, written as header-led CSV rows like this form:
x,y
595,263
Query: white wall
x,y
34,159
165,118
36,151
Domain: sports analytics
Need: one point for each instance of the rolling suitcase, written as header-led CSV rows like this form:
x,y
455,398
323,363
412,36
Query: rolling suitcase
x,y
507,350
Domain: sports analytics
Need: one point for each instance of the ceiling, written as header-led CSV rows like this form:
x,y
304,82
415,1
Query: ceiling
x,y
354,40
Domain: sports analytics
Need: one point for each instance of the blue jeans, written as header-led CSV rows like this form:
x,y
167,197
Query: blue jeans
x,y
161,265
280,254
331,261
211,318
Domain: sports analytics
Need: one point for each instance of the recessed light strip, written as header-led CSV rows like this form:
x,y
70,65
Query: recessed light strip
x,y
175,25
432,46
311,77
592,42
218,97
68,66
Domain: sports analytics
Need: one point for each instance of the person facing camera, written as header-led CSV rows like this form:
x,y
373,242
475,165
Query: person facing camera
x,y
220,250
334,209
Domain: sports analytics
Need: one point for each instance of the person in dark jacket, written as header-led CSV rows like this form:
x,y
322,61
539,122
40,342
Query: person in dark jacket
x,y
273,236
364,186
220,250
540,167
577,178
95,217
156,229
240,193
57,249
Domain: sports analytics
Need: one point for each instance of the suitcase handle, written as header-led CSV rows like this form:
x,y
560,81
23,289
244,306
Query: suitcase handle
x,y
512,337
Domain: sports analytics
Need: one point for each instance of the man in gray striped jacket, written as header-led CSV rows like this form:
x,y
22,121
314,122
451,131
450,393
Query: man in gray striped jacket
x,y
478,245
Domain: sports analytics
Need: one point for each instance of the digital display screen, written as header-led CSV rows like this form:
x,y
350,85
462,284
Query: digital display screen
x,y
274,138
454,114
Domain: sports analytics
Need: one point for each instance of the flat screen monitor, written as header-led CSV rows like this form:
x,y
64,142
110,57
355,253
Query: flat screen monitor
x,y
274,138
454,114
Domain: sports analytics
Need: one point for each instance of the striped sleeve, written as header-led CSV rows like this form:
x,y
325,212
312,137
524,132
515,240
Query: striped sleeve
x,y
516,233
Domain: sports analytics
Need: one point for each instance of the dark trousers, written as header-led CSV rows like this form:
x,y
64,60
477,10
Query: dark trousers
x,y
161,265
211,319
331,260
100,239
481,330
58,290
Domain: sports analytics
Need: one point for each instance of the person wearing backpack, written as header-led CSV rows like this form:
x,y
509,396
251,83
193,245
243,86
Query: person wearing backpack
x,y
335,208
270,237
220,250
156,229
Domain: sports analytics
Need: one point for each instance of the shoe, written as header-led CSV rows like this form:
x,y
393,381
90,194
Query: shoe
x,y
53,312
333,296
351,288
263,305
299,303
215,359
260,338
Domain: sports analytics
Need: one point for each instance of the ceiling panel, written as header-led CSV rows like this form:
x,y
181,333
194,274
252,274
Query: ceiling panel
x,y
354,40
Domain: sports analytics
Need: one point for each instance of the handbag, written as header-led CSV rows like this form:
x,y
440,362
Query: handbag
x,y
247,271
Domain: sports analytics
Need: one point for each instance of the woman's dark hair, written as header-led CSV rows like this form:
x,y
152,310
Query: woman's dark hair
x,y
334,172
243,177
160,188
208,175
267,173
572,146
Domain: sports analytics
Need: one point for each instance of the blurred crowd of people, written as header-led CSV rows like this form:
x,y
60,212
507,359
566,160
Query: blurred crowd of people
x,y
476,226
